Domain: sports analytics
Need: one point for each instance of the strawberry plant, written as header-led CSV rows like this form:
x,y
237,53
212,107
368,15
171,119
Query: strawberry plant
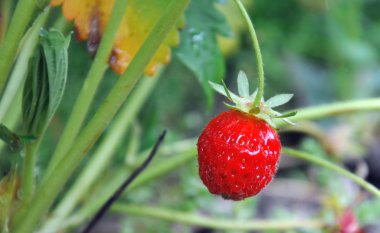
x,y
87,86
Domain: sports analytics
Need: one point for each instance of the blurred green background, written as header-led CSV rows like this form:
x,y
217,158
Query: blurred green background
x,y
323,51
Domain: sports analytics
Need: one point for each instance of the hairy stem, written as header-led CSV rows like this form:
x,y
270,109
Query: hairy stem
x,y
91,83
260,65
48,191
331,166
17,27
213,223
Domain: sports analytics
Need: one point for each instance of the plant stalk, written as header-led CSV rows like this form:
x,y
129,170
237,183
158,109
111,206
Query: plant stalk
x,y
259,59
17,27
48,191
214,223
88,91
327,110
28,171
333,167
19,72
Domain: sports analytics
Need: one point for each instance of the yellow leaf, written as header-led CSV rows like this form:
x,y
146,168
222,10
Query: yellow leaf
x,y
90,20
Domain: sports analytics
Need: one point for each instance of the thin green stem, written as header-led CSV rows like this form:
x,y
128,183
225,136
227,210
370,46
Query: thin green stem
x,y
255,42
214,223
331,166
103,154
12,99
18,25
18,75
28,171
327,110
29,216
31,151
91,83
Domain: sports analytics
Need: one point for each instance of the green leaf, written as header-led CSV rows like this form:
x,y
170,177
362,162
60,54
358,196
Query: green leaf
x,y
199,50
368,212
243,85
35,100
55,47
45,83
278,100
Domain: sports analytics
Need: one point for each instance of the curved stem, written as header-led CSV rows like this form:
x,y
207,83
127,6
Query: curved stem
x,y
214,223
260,65
18,25
29,216
329,165
88,91
339,108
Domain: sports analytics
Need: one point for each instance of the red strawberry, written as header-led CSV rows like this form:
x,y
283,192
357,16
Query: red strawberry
x,y
238,155
238,151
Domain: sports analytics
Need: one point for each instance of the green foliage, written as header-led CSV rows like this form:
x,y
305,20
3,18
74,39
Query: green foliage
x,y
199,49
368,212
55,47
45,83
35,101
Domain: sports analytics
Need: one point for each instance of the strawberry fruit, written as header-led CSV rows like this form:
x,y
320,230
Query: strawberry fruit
x,y
238,151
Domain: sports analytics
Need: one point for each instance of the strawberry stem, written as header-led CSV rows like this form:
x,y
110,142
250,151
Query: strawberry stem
x,y
255,42
331,166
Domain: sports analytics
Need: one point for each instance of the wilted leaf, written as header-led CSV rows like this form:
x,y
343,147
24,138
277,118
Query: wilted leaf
x,y
90,20
199,50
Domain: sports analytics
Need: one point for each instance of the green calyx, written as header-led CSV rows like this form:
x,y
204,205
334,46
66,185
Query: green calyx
x,y
244,101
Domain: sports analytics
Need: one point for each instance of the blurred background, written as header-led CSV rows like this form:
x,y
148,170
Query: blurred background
x,y
323,51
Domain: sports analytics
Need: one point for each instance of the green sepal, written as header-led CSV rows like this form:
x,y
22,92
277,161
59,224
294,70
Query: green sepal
x,y
231,106
243,85
278,100
226,90
289,114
